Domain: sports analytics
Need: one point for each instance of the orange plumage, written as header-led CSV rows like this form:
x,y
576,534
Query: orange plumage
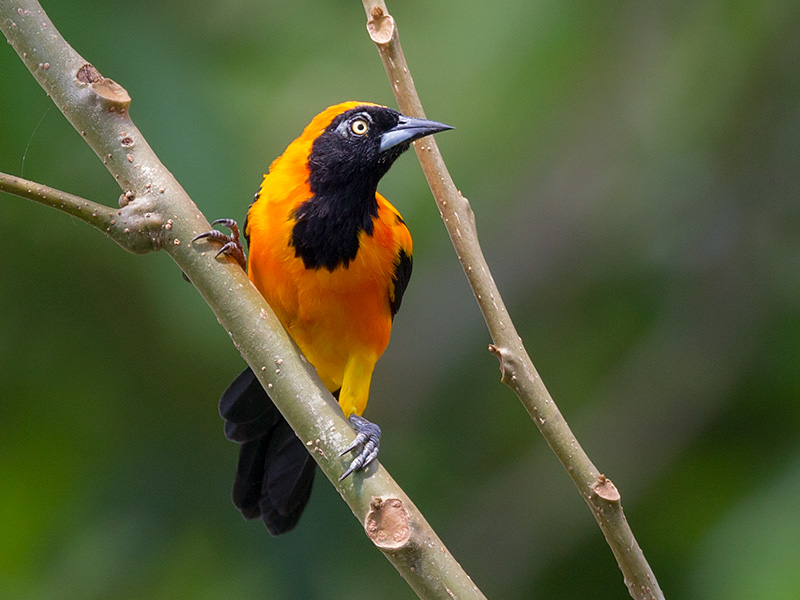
x,y
340,319
332,257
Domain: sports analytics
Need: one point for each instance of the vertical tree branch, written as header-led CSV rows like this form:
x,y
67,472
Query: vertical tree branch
x,y
158,214
517,369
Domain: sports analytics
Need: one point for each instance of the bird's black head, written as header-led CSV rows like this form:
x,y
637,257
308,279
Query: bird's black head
x,y
345,164
360,145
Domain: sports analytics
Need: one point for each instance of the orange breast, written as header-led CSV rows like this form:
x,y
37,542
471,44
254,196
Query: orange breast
x,y
336,315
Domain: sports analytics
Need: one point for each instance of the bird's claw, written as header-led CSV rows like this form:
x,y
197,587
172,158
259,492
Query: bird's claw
x,y
231,244
369,438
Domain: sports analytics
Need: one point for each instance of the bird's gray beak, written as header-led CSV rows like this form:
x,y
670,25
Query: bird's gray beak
x,y
409,129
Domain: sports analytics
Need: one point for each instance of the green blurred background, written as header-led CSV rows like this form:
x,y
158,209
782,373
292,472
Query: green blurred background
x,y
635,172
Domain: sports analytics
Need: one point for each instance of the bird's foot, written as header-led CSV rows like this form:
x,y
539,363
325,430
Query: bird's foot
x,y
369,438
231,244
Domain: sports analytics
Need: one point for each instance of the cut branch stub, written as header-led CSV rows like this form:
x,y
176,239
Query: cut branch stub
x,y
113,93
605,489
387,523
380,26
107,89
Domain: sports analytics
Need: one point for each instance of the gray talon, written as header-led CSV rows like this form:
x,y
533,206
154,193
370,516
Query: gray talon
x,y
369,437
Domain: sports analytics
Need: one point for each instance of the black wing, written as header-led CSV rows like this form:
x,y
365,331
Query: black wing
x,y
402,275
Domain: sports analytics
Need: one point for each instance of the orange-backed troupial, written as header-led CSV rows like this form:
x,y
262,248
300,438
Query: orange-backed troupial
x,y
333,258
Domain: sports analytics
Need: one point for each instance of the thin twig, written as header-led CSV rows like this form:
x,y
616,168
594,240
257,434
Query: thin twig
x,y
517,369
94,214
162,216
114,223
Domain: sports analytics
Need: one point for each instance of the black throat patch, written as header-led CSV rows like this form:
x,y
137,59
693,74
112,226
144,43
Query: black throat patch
x,y
345,167
328,225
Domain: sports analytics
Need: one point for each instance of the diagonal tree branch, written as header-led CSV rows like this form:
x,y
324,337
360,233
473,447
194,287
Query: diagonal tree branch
x,y
159,215
517,369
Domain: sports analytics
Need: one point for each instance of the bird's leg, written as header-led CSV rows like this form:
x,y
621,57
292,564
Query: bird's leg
x,y
369,438
231,244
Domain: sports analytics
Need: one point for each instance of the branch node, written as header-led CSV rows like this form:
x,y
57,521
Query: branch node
x,y
387,523
605,489
380,26
126,198
503,354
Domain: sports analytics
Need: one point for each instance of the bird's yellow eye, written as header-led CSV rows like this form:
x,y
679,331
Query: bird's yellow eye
x,y
359,127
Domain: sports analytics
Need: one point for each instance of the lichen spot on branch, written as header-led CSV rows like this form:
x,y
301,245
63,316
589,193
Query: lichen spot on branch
x,y
380,26
387,523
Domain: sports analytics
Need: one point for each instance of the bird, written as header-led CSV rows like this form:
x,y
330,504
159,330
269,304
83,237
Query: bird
x,y
332,257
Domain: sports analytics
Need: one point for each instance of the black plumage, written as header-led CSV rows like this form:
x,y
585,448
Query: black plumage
x,y
275,472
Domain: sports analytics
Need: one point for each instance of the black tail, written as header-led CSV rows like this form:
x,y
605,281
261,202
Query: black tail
x,y
275,471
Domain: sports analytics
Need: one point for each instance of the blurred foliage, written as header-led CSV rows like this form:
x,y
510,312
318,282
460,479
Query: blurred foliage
x,y
635,172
